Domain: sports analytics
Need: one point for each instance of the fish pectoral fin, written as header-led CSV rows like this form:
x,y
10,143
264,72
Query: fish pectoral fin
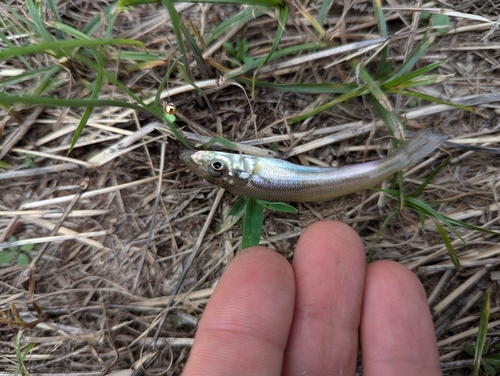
x,y
243,175
238,178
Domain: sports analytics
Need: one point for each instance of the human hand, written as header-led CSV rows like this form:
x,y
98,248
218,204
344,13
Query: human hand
x,y
267,317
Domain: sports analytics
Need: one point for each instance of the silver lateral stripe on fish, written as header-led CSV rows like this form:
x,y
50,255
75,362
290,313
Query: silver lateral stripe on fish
x,y
278,180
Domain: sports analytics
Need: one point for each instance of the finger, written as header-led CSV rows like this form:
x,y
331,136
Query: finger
x,y
245,326
397,334
329,266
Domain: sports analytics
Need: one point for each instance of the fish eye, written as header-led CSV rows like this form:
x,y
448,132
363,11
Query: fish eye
x,y
217,168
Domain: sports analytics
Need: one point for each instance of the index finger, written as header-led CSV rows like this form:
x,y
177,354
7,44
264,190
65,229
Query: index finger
x,y
244,329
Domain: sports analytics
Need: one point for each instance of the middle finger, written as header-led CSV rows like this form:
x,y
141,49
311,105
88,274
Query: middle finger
x,y
329,267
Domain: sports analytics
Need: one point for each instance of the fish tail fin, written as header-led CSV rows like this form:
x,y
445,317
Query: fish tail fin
x,y
420,146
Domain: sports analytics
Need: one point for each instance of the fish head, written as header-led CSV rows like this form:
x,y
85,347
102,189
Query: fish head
x,y
223,169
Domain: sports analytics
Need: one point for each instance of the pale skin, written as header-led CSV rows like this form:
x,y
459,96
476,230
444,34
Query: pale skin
x,y
267,317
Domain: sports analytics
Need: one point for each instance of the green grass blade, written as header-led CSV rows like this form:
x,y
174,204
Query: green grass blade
x,y
386,222
19,356
341,98
24,25
238,206
323,12
61,102
141,106
232,23
252,225
481,333
110,23
110,76
178,27
62,27
199,91
90,103
218,140
95,23
164,83
321,88
9,44
236,21
30,75
420,49
278,206
21,353
447,243
138,57
38,24
383,68
420,206
455,222
283,15
311,88
8,100
380,231
262,3
421,217
398,79
234,215
65,46
195,49
427,210
265,3
176,22
390,118
381,103
379,16
430,98
95,94
198,35
424,80
48,81
429,178
287,51
52,5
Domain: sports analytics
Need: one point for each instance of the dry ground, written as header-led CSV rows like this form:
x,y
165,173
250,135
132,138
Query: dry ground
x,y
104,287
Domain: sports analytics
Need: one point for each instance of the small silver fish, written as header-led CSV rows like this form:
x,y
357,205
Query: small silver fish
x,y
278,180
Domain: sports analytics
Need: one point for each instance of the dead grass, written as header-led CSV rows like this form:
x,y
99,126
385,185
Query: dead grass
x,y
101,289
